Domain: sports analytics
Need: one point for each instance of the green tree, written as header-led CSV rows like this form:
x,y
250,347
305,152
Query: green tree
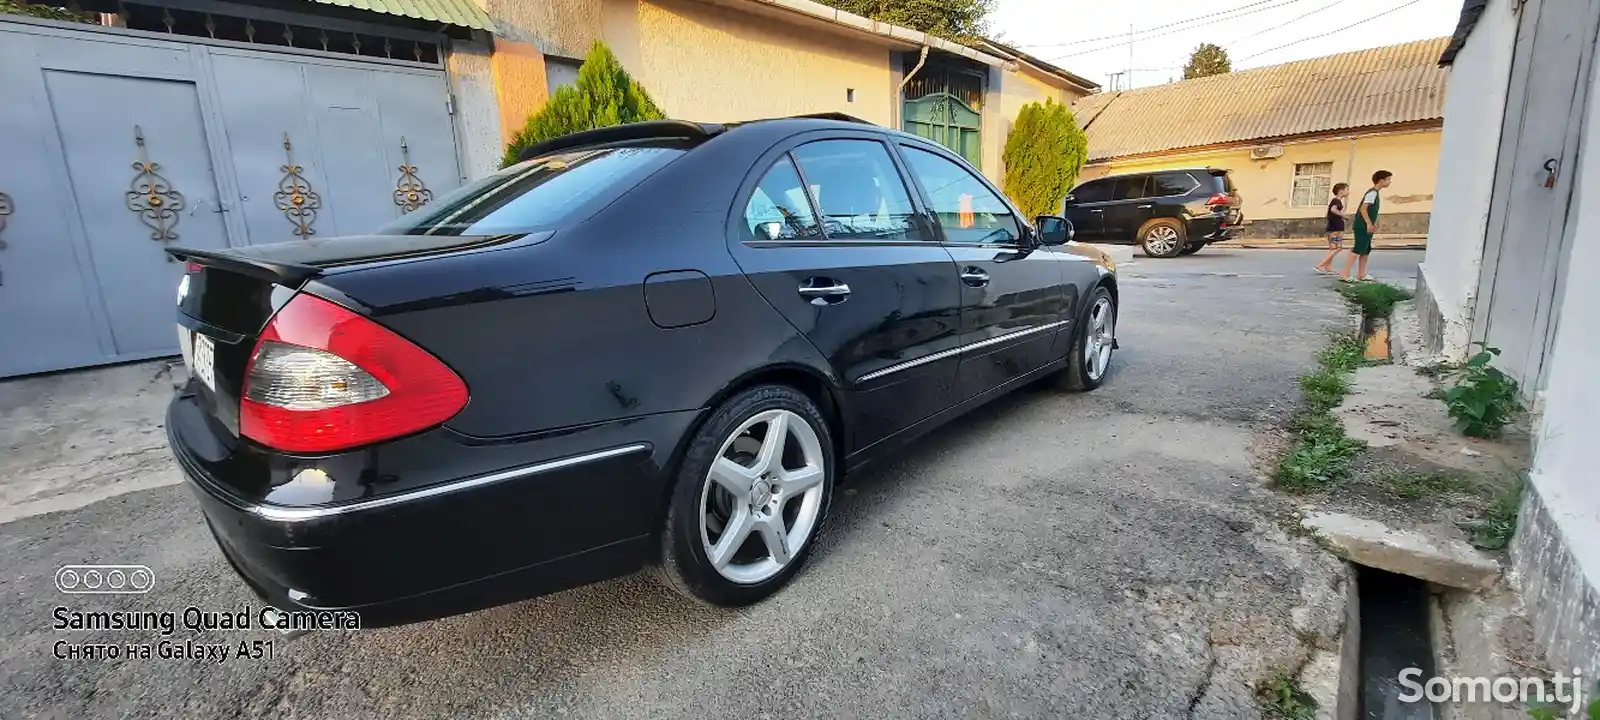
x,y
956,19
1207,60
47,12
1043,155
604,95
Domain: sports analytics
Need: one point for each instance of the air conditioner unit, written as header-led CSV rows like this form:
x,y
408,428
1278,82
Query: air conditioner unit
x,y
1266,152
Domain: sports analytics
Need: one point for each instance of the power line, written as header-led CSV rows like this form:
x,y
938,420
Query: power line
x,y
1296,19
1158,27
1170,32
1330,32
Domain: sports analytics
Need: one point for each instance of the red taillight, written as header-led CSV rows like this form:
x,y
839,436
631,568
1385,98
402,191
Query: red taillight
x,y
191,267
322,378
1219,199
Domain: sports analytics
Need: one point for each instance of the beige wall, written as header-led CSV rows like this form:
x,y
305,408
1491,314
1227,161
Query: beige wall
x,y
710,63
1266,185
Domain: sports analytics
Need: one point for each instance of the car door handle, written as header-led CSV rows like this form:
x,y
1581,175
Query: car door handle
x,y
824,291
974,277
1145,207
1098,210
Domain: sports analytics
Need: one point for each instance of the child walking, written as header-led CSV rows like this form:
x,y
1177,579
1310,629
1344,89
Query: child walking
x,y
1366,226
1335,229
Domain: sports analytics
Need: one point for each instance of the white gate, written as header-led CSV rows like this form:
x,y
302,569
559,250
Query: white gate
x,y
118,143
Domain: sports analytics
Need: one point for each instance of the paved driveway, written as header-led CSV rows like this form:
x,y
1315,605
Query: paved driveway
x,y
1088,556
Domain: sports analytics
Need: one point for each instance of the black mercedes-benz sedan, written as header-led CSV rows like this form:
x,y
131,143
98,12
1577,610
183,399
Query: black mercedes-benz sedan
x,y
659,344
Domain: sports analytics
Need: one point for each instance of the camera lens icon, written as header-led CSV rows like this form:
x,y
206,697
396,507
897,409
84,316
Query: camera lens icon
x,y
105,579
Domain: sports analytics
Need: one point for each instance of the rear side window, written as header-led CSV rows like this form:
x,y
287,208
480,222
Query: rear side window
x,y
858,190
967,210
1170,184
779,209
1130,188
1093,192
1219,182
539,194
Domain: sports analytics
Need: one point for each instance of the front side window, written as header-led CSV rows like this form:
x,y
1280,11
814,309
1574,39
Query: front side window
x,y
1092,192
858,190
967,209
535,195
1313,184
778,209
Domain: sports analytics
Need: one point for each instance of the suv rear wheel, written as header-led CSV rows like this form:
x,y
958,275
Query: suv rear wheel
x,y
1162,238
751,496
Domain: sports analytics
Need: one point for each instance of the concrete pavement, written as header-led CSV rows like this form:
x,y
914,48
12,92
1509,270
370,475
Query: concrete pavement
x,y
1110,554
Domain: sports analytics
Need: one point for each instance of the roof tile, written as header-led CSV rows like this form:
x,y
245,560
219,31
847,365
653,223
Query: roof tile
x,y
1381,86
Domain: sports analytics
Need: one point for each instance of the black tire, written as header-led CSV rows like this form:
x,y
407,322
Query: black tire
x,y
1190,249
684,564
1075,376
1154,238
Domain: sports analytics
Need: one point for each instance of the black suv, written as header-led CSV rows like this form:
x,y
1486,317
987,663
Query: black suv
x,y
1167,212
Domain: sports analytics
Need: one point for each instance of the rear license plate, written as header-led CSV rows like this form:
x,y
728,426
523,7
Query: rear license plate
x,y
205,353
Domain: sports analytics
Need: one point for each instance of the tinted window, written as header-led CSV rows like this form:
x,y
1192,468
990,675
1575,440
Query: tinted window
x,y
779,209
535,195
858,190
1092,192
1130,188
967,209
1169,184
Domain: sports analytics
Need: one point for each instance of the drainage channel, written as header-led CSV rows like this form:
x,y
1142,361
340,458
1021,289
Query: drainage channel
x,y
1394,636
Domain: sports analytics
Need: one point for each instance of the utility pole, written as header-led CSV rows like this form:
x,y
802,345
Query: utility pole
x,y
1130,56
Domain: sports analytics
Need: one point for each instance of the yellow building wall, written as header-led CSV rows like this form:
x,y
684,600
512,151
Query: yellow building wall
x,y
1267,185
715,64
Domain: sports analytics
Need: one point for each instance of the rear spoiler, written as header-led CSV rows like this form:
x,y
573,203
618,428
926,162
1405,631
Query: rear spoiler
x,y
647,130
282,273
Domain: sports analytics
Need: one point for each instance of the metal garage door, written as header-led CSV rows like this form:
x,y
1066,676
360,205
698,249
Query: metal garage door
x,y
118,143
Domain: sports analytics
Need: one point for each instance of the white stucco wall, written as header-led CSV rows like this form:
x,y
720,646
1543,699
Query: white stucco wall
x,y
1562,564
1474,107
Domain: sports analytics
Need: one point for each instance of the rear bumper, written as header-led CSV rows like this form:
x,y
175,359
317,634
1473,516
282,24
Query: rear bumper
x,y
444,549
1213,230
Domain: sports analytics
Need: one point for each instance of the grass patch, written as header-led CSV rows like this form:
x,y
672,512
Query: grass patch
x,y
1414,485
1376,299
1283,699
1322,453
1493,530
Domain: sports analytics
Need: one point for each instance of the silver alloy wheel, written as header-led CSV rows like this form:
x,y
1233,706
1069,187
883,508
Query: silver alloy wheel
x,y
766,482
1161,239
1100,338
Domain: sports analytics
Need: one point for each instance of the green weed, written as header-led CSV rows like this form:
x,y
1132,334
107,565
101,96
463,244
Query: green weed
x,y
1494,529
1376,299
1416,485
1322,453
1283,699
1482,400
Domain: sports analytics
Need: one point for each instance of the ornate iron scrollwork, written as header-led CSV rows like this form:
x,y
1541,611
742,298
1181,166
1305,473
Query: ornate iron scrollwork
x,y
152,197
295,197
5,214
410,193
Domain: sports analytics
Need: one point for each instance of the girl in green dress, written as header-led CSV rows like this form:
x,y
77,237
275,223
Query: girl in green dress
x,y
1366,226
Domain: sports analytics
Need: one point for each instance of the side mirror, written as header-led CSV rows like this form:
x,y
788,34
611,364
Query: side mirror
x,y
1054,230
1070,201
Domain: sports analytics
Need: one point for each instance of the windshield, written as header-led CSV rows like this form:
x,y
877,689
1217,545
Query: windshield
x,y
538,194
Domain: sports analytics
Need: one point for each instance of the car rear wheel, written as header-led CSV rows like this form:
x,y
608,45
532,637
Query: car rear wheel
x,y
1162,238
1089,360
751,497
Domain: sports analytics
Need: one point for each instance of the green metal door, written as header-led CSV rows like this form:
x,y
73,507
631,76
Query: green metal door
x,y
944,119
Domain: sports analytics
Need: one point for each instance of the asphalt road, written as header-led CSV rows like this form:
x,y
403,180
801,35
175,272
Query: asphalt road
x,y
1102,555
